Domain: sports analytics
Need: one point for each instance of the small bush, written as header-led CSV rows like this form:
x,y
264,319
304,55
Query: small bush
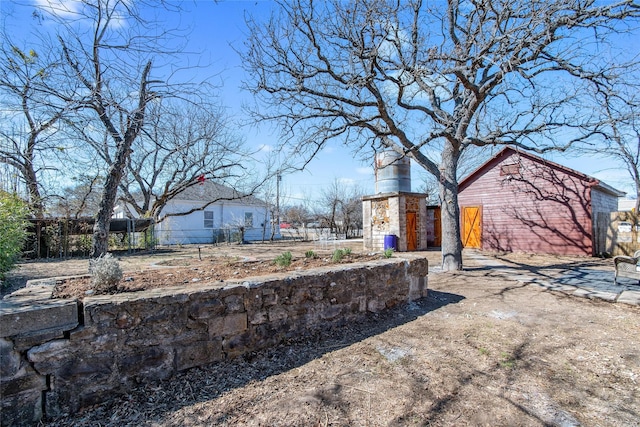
x,y
105,273
283,260
13,229
508,361
347,251
338,254
388,253
310,254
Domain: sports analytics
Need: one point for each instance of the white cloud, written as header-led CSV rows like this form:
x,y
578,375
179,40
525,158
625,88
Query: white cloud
x,y
327,149
347,181
74,9
265,148
60,8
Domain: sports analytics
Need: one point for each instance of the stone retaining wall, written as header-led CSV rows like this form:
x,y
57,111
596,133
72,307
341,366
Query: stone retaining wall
x,y
59,355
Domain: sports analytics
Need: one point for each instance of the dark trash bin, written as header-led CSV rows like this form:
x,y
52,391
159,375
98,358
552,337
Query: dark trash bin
x,y
391,242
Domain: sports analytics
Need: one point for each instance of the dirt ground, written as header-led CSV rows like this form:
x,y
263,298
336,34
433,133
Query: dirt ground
x,y
185,264
481,349
193,270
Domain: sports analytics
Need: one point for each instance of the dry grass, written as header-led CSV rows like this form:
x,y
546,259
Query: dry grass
x,y
482,349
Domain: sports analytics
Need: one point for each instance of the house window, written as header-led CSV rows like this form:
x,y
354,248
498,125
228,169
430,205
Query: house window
x,y
512,169
248,219
208,219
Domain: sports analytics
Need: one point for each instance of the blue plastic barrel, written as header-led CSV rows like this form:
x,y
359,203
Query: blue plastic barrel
x,y
391,242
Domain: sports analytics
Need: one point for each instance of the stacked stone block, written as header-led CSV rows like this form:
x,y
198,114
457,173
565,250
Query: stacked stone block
x,y
109,343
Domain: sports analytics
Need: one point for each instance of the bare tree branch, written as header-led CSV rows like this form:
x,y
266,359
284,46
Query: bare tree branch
x,y
431,80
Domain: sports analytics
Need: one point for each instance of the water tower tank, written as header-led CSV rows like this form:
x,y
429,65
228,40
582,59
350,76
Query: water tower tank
x,y
393,172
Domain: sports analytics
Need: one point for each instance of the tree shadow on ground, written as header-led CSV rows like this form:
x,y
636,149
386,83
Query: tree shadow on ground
x,y
152,402
584,272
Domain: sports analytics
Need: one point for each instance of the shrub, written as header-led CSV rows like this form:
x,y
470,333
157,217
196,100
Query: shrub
x,y
283,260
388,253
347,251
13,229
338,254
105,273
310,254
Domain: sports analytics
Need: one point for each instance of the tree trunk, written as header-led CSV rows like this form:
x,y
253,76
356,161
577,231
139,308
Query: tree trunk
x,y
451,243
35,199
100,241
635,172
100,244
636,177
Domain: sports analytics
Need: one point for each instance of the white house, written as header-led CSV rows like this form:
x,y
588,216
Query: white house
x,y
220,221
626,205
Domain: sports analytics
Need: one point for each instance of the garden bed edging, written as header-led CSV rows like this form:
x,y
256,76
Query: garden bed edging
x,y
59,356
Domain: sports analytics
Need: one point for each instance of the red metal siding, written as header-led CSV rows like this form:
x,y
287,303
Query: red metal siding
x,y
534,207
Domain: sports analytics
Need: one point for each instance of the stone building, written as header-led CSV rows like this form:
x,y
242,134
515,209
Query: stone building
x,y
394,217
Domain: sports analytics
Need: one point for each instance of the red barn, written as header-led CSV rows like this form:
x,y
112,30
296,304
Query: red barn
x,y
519,202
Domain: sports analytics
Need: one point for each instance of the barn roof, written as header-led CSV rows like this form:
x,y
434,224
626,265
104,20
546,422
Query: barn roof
x,y
508,151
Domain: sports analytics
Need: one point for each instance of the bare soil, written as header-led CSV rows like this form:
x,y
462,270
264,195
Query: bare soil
x,y
179,266
481,349
216,270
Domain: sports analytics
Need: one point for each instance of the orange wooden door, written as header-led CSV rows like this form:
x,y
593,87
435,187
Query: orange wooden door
x,y
412,231
437,228
471,227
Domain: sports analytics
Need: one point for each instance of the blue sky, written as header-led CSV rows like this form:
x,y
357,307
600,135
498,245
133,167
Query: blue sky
x,y
219,27
216,29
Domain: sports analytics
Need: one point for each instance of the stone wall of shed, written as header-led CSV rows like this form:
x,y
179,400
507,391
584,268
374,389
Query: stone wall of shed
x,y
604,207
59,356
386,214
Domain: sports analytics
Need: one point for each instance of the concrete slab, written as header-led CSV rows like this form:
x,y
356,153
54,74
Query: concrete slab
x,y
581,282
592,294
554,286
629,297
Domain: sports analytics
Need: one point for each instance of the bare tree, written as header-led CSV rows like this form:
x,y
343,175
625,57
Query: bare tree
x,y
83,199
470,160
429,80
341,207
618,106
32,107
297,216
181,144
109,49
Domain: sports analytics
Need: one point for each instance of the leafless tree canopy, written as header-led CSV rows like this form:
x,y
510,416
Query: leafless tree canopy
x,y
180,143
429,79
32,108
114,64
80,200
121,84
618,134
340,208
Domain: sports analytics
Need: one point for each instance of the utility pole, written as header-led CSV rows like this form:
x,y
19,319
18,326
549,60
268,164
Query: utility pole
x,y
278,179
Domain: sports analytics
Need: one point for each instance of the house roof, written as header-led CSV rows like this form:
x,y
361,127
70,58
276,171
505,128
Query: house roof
x,y
508,151
211,191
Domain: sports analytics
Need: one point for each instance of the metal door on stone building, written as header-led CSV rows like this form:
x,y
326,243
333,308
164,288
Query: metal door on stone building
x,y
412,231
